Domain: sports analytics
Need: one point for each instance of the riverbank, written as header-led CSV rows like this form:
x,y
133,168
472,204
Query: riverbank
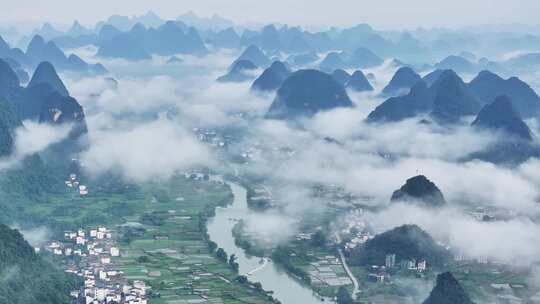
x,y
285,288
316,264
161,233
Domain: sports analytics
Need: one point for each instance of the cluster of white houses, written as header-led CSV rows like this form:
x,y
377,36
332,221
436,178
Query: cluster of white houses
x,y
356,228
379,273
89,255
211,137
74,183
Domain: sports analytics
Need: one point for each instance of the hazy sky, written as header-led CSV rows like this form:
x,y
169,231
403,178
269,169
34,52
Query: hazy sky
x,y
381,13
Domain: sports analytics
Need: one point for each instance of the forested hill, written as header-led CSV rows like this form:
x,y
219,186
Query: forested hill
x,y
27,180
25,278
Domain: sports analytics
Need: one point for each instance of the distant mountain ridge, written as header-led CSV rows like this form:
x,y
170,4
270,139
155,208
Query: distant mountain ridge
x,y
239,72
46,74
418,101
255,55
487,86
402,81
453,99
447,100
500,115
45,99
272,78
307,92
140,42
358,82
361,58
515,144
341,76
39,50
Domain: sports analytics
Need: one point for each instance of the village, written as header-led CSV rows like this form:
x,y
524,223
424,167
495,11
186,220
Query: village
x,y
74,183
89,254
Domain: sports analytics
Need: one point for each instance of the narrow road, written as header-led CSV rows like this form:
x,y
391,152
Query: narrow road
x,y
346,267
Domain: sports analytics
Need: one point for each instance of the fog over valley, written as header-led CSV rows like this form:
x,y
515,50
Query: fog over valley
x,y
156,156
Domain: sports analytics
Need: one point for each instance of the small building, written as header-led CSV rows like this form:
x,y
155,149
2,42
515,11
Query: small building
x,y
115,252
80,240
422,266
376,277
390,260
102,275
83,190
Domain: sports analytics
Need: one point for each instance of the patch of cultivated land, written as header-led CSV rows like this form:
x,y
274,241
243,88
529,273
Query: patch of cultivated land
x,y
165,244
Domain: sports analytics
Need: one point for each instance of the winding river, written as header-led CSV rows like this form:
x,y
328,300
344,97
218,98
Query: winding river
x,y
286,289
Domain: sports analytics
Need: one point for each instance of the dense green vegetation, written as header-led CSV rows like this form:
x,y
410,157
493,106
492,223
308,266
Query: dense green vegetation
x,y
25,277
448,291
24,181
406,242
282,256
162,231
344,296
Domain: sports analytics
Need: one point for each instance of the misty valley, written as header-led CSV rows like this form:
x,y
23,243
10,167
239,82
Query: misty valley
x,y
148,160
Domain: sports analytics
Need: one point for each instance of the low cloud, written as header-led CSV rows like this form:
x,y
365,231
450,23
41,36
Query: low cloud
x,y
515,241
37,236
144,152
32,138
333,148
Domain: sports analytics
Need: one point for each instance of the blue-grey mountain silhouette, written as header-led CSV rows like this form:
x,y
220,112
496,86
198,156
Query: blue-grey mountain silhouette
x,y
108,32
254,55
341,76
432,77
123,46
269,39
307,92
358,82
363,58
456,63
401,82
488,85
418,101
298,45
333,61
39,51
239,72
501,116
5,50
46,74
140,42
453,99
77,29
447,99
272,78
302,59
227,38
8,80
